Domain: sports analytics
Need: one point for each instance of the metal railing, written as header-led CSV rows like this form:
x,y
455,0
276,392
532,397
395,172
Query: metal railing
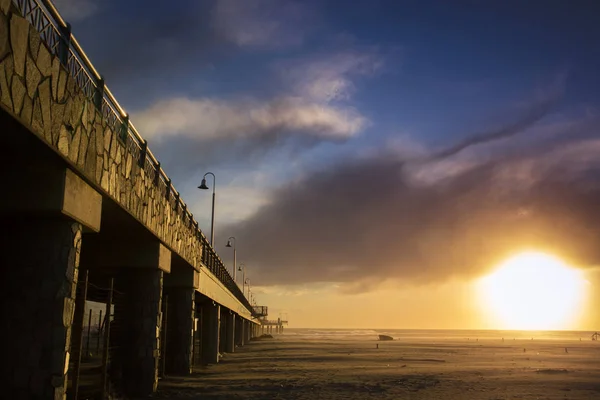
x,y
55,32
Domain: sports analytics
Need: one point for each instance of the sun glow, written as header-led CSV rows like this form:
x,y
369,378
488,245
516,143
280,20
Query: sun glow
x,y
534,291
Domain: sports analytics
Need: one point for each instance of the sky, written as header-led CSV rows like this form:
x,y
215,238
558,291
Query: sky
x,y
373,158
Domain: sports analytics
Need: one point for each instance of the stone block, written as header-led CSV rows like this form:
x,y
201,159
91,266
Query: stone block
x,y
90,156
64,140
74,146
34,42
33,77
99,168
4,41
83,147
68,311
5,6
46,103
4,85
27,110
18,93
19,39
44,61
57,115
62,83
37,122
55,75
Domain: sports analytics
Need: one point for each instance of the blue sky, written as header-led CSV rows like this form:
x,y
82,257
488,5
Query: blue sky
x,y
275,95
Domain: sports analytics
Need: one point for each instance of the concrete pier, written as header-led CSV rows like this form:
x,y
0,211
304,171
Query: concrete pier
x,y
239,328
180,296
230,333
211,327
39,273
84,193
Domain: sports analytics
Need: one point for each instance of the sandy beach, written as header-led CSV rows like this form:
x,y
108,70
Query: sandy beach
x,y
300,366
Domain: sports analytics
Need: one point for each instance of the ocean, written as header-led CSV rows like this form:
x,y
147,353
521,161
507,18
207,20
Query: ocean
x,y
434,335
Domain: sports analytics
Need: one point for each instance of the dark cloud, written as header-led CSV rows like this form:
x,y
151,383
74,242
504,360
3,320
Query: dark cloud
x,y
143,50
530,117
180,155
370,220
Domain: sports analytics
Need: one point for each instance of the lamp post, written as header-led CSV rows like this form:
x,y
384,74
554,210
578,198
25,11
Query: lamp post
x,y
242,269
246,282
234,254
212,218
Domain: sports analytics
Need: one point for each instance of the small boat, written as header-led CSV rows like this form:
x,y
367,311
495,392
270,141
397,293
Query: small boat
x,y
385,337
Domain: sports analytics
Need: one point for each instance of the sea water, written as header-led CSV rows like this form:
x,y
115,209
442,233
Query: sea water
x,y
434,335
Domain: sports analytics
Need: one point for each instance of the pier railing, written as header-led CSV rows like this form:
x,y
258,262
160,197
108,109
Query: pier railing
x,y
55,33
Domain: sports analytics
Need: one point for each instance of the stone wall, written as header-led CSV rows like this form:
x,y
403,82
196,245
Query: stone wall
x,y
38,281
180,329
135,330
37,90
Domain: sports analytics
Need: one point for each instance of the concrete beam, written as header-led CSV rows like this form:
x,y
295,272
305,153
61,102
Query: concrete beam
x,y
46,188
102,252
182,274
212,288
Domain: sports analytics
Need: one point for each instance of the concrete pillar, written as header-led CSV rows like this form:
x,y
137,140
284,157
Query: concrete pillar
x,y
180,288
137,264
211,327
39,261
239,328
230,334
42,216
223,330
180,330
137,322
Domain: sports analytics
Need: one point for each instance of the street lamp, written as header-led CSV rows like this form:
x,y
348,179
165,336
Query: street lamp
x,y
242,268
234,254
212,218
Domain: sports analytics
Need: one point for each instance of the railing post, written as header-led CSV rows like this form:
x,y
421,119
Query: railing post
x,y
99,95
168,191
157,175
64,44
143,153
125,128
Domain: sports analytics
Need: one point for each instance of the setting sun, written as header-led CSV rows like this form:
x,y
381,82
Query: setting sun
x,y
534,291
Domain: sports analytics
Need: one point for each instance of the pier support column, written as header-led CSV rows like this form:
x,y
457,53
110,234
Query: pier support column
x,y
41,222
137,265
39,270
211,327
180,330
137,319
239,329
230,334
180,287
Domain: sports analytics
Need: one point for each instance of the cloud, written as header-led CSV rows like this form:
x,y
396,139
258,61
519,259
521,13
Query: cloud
x,y
76,10
373,219
211,119
304,113
262,23
328,77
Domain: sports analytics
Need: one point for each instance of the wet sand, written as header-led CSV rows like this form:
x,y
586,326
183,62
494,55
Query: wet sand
x,y
292,368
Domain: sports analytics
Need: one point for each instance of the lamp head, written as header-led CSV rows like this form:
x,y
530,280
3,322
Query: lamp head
x,y
228,243
203,184
240,268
